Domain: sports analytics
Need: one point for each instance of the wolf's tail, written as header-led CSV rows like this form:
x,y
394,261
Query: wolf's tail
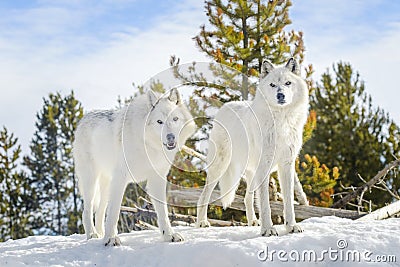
x,y
228,186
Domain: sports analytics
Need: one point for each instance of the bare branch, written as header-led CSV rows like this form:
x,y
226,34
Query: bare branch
x,y
345,200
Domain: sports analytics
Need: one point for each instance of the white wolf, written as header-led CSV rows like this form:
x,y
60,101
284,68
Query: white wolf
x,y
252,138
136,143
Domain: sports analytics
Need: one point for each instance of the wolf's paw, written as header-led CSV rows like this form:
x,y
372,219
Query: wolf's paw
x,y
175,237
254,223
113,242
269,231
294,229
203,224
304,202
92,235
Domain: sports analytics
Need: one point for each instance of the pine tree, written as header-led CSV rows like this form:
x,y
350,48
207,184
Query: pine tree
x,y
71,113
244,33
351,133
15,193
51,165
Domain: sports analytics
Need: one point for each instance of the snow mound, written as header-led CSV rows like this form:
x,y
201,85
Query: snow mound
x,y
343,240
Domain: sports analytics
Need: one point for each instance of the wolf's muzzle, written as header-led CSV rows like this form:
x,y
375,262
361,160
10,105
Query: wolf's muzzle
x,y
171,144
281,98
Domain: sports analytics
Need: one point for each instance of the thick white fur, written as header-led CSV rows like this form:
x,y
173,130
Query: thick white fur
x,y
114,148
253,138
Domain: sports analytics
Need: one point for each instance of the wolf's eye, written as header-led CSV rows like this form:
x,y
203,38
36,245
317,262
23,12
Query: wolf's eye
x,y
288,83
272,85
175,118
159,122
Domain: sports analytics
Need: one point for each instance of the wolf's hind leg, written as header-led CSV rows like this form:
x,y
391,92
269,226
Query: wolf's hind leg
x,y
249,202
214,175
102,206
117,189
89,191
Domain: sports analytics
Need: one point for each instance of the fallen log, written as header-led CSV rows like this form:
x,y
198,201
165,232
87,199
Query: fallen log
x,y
188,198
189,219
383,213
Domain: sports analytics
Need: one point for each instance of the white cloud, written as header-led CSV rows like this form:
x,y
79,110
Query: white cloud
x,y
378,63
99,74
347,31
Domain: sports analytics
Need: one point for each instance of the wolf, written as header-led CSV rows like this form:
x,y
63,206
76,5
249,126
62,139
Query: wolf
x,y
133,144
251,139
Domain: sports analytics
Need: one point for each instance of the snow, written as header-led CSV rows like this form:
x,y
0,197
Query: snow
x,y
226,246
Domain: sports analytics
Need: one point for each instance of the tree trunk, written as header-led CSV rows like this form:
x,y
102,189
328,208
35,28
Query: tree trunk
x,y
58,208
245,68
75,196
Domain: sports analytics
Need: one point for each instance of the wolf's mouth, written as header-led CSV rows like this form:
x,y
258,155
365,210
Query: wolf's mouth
x,y
170,145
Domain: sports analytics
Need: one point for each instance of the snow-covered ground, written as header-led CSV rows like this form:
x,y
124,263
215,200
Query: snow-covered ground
x,y
328,240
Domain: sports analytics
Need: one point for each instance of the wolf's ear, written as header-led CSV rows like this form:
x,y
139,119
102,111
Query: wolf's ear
x,y
293,66
266,68
174,96
152,97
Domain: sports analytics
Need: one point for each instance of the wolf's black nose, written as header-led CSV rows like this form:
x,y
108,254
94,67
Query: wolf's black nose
x,y
280,97
170,137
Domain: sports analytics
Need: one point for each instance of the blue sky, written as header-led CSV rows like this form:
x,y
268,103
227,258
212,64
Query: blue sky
x,y
98,48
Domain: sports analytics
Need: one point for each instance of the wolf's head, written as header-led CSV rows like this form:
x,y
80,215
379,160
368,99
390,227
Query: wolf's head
x,y
282,86
169,120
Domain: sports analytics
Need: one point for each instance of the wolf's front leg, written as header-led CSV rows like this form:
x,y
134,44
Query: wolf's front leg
x,y
267,228
156,188
286,174
117,189
261,182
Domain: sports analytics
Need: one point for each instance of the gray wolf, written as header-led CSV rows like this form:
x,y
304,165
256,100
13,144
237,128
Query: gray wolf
x,y
251,139
133,144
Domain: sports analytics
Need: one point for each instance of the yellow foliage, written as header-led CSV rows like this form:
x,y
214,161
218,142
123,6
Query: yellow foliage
x,y
253,72
219,11
317,179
